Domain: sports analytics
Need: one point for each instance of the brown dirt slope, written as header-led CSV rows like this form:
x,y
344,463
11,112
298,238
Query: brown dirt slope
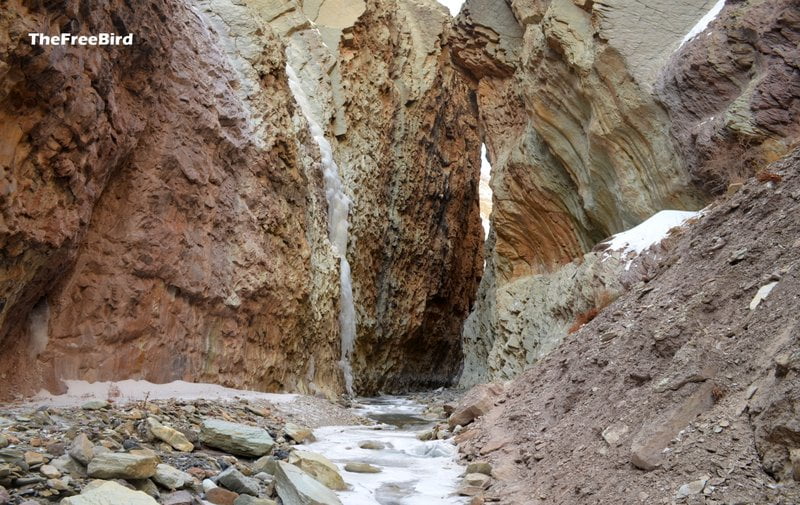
x,y
679,376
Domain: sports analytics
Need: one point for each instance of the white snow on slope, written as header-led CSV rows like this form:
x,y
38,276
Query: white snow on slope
x,y
650,232
704,22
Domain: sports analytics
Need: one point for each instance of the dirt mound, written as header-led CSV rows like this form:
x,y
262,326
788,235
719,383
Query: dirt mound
x,y
685,390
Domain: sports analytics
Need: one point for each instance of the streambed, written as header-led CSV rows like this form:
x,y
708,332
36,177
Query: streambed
x,y
413,472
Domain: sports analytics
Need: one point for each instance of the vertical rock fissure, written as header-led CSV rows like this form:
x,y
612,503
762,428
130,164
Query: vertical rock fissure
x,y
338,211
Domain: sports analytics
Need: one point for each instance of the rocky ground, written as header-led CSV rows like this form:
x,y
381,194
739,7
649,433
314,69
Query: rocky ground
x,y
130,448
172,452
685,390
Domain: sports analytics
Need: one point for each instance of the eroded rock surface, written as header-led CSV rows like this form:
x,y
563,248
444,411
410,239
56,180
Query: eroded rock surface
x,y
163,212
162,216
596,115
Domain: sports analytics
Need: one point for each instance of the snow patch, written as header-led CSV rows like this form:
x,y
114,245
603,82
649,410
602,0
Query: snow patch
x,y
704,22
651,232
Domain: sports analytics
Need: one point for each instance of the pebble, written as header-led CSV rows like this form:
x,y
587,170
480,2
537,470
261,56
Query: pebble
x,y
50,471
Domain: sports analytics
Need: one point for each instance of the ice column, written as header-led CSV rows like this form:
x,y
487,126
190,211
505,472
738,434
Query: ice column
x,y
338,210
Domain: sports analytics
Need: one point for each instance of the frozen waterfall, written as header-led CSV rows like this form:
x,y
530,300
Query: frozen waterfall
x,y
338,210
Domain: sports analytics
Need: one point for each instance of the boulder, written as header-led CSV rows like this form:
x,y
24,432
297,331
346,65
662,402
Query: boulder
x,y
107,493
234,438
178,498
361,468
114,465
298,433
477,480
265,465
173,437
82,449
146,486
477,402
171,478
234,480
296,487
319,467
480,467
219,496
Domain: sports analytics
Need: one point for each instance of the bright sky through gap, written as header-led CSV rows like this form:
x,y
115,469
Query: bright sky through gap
x,y
453,5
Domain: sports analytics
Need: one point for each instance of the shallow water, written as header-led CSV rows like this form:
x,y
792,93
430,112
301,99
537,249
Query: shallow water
x,y
413,472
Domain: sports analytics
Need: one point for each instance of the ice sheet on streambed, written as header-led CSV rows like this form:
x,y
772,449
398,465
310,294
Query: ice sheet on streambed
x,y
413,472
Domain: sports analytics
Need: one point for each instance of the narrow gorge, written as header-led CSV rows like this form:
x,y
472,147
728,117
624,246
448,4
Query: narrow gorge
x,y
562,234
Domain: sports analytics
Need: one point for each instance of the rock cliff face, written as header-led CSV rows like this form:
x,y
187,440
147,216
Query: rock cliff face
x,y
412,156
163,217
407,145
163,212
598,114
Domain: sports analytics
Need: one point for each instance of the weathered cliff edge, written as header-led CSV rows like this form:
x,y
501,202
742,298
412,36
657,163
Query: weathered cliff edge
x,y
163,212
596,115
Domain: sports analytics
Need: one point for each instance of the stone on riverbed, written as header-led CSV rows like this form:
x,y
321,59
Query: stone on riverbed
x,y
319,467
112,465
372,445
296,487
298,433
219,496
82,449
234,480
361,468
173,437
172,478
234,438
106,492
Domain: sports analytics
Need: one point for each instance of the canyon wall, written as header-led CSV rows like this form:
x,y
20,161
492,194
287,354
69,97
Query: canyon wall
x,y
596,115
163,210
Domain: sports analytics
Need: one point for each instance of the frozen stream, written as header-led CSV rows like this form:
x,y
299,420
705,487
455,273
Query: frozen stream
x,y
413,472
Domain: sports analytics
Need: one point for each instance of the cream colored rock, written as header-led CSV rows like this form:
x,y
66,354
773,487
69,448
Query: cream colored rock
x,y
108,493
298,433
169,435
296,487
319,467
235,438
113,465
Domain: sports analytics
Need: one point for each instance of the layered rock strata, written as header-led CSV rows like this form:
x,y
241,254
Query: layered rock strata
x,y
684,390
596,115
